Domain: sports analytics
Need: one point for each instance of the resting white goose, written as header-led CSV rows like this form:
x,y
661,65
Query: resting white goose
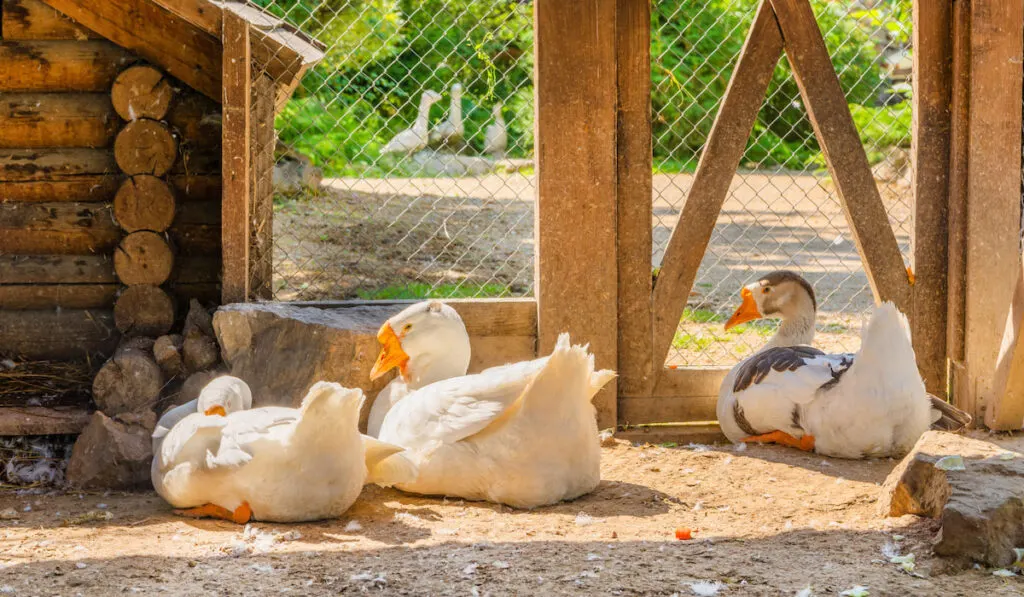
x,y
869,404
415,137
451,131
524,434
274,463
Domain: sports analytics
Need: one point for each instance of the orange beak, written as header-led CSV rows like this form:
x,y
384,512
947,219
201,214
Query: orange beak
x,y
391,353
216,410
747,311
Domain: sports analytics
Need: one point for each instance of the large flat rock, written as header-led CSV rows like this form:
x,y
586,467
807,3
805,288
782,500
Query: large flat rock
x,y
981,507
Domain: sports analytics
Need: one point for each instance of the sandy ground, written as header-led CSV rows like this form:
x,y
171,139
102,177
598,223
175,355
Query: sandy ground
x,y
367,234
770,521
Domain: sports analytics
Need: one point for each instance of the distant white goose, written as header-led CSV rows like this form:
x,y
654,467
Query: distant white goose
x,y
496,135
414,138
451,131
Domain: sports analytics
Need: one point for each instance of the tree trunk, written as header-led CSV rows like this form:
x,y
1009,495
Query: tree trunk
x,y
145,147
144,310
143,258
144,202
141,92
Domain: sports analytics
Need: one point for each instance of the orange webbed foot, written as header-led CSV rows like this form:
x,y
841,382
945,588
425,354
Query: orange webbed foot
x,y
241,515
805,443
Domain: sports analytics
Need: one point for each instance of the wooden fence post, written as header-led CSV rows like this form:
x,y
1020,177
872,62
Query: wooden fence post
x,y
575,82
236,159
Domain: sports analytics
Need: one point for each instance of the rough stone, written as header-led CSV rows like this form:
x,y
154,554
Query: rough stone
x,y
167,351
981,508
200,352
113,453
199,320
130,381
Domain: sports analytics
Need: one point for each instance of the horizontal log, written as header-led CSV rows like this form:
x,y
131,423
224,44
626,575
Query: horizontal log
x,y
55,165
204,213
144,311
57,335
196,161
196,119
62,228
196,187
142,92
143,258
205,293
39,420
198,240
145,146
64,296
95,270
144,202
102,188
57,120
483,317
32,19
61,65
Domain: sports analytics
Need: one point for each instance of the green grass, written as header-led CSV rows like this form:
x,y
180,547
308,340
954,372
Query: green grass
x,y
704,338
417,290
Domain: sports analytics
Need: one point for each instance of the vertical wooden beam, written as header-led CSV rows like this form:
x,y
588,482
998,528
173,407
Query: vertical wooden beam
x,y
263,143
933,53
575,81
841,145
956,285
235,158
1005,411
993,187
718,162
633,49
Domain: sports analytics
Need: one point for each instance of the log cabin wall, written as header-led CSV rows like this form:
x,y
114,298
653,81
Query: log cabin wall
x,y
93,202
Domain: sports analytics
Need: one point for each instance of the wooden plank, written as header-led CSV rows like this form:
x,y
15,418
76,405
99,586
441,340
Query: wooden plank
x,y
576,282
645,410
1005,411
57,228
88,66
492,351
840,144
196,187
682,435
196,119
715,171
933,53
204,14
32,19
261,265
39,420
54,165
156,34
64,296
57,335
235,156
690,382
956,284
57,120
95,270
993,187
634,189
196,239
89,188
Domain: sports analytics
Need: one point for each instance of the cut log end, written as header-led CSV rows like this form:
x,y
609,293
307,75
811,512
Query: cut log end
x,y
141,92
144,310
143,258
145,147
144,202
200,352
129,382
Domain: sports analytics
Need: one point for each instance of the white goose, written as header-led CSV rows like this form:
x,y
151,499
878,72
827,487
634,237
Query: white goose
x,y
415,137
524,434
451,131
274,463
496,135
869,404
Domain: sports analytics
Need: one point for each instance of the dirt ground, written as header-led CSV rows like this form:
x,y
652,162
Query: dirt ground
x,y
770,521
476,235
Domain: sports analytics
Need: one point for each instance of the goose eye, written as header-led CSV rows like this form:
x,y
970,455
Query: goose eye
x,y
766,289
406,327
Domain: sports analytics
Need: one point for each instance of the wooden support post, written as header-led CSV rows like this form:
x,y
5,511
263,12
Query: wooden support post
x,y
930,150
1006,411
993,189
576,188
717,167
264,141
235,156
633,47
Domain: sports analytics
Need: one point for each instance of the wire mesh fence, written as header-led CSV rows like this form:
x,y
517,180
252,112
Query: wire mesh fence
x,y
782,211
402,163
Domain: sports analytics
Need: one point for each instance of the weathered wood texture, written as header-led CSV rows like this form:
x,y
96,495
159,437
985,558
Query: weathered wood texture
x,y
144,202
41,420
143,258
680,434
94,269
145,146
1005,411
144,310
841,145
65,228
633,214
57,335
680,395
261,251
196,120
56,120
33,19
89,66
142,92
715,171
956,282
235,156
576,186
153,32
933,54
49,296
54,165
129,382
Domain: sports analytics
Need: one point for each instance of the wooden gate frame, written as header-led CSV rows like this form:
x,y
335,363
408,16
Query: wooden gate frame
x,y
594,204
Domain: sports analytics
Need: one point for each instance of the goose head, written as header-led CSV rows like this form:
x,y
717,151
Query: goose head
x,y
429,98
456,91
496,111
426,342
783,294
223,396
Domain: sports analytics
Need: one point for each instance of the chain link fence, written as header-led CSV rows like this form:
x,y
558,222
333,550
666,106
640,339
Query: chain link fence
x,y
403,163
782,210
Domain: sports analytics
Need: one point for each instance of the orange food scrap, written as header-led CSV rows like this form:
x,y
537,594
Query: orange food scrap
x,y
684,534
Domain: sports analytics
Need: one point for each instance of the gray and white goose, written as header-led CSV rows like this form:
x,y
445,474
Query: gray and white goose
x,y
871,403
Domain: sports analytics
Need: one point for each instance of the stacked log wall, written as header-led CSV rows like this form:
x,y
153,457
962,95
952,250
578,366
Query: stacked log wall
x,y
59,176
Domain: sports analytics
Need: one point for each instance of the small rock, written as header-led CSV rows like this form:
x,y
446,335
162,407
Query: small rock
x,y
200,352
9,514
198,320
607,438
112,454
167,351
